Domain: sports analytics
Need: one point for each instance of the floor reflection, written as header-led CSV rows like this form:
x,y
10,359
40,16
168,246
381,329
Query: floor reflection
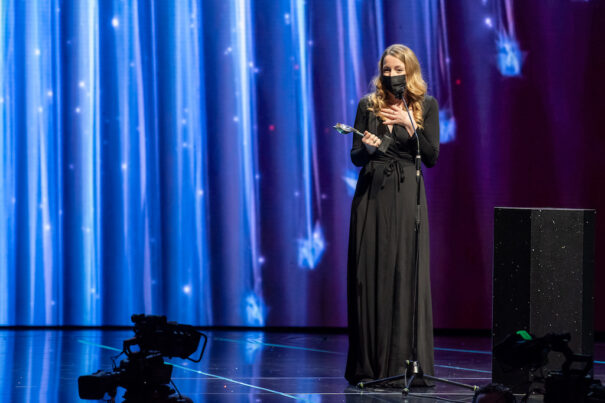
x,y
43,366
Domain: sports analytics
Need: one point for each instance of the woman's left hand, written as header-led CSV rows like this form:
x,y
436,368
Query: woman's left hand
x,y
396,115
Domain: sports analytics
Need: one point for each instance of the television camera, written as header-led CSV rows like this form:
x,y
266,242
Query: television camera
x,y
143,373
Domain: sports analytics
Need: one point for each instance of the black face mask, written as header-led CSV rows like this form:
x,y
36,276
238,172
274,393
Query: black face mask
x,y
396,85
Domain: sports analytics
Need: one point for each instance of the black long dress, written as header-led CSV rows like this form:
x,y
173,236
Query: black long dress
x,y
381,251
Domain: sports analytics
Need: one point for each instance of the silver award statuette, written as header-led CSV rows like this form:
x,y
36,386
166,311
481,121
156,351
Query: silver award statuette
x,y
346,129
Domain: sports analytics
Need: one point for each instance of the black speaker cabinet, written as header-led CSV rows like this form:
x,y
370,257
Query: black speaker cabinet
x,y
543,280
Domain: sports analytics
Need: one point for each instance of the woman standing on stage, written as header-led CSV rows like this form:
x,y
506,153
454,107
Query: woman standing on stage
x,y
382,231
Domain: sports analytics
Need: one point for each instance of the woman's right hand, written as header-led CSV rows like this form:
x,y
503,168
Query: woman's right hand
x,y
371,141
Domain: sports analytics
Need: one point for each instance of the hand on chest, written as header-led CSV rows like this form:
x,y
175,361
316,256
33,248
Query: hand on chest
x,y
398,133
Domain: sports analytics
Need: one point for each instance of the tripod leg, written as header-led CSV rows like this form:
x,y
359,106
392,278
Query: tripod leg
x,y
368,384
447,381
406,389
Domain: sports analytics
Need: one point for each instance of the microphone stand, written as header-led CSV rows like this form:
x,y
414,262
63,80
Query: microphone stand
x,y
414,369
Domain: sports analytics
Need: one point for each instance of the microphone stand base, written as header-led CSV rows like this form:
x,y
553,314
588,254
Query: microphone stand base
x,y
414,372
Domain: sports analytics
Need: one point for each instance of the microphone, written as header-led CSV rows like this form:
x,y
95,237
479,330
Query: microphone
x,y
401,89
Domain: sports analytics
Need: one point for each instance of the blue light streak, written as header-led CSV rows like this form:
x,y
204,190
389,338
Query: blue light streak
x,y
354,41
200,159
311,250
252,347
342,68
350,177
30,367
90,163
34,199
140,149
191,251
50,366
55,94
312,246
7,163
379,24
149,272
447,121
79,271
447,126
247,124
509,56
7,356
126,113
255,310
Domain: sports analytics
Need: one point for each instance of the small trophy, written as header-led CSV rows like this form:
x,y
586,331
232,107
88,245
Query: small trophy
x,y
346,129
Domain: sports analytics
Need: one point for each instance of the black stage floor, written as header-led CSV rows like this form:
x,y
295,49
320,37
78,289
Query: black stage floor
x,y
44,365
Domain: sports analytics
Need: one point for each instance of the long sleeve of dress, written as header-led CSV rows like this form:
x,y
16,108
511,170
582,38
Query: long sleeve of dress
x,y
429,136
359,153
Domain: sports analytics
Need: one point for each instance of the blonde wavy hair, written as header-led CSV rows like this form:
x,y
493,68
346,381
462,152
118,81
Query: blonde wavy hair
x,y
416,86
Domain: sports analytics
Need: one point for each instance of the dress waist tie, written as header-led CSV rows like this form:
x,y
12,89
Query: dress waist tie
x,y
382,169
